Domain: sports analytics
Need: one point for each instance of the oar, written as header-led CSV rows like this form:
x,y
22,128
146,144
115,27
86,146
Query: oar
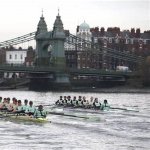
x,y
46,105
62,114
118,108
8,115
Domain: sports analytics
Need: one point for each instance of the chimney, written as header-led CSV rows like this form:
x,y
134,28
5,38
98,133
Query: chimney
x,y
102,30
77,30
133,32
138,32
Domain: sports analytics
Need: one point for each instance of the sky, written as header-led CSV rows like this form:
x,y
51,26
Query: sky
x,y
20,17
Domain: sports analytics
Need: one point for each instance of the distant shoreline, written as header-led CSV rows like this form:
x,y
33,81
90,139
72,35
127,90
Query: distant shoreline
x,y
89,89
115,90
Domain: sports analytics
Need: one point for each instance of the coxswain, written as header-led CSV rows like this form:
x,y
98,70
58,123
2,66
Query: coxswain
x,y
105,105
31,109
40,112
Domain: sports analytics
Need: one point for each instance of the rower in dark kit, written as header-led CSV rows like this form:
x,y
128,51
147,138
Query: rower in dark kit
x,y
79,102
69,101
96,104
60,101
74,101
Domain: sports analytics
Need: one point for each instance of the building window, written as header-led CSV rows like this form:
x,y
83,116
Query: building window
x,y
145,42
21,57
95,40
10,56
15,56
140,46
127,41
110,40
132,41
117,40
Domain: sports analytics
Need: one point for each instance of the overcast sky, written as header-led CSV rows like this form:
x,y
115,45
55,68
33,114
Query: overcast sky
x,y
19,17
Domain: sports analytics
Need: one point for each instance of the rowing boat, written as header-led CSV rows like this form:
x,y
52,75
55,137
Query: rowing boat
x,y
27,118
91,110
78,109
30,119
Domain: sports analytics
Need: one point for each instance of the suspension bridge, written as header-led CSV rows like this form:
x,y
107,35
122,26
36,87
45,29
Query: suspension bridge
x,y
57,70
74,41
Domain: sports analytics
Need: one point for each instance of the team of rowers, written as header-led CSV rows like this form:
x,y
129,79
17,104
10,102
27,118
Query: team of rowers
x,y
82,102
17,107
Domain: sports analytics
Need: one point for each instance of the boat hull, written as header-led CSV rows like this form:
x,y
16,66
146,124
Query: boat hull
x,y
27,118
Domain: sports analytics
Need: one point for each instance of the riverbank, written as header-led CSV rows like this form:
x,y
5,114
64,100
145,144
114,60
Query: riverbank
x,y
90,89
22,85
114,90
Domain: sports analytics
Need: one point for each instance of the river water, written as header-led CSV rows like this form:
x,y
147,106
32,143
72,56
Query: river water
x,y
110,130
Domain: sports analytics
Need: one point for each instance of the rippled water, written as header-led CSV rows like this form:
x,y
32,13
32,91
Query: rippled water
x,y
112,130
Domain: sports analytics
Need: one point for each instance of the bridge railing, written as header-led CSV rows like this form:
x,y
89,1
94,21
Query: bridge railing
x,y
18,40
30,69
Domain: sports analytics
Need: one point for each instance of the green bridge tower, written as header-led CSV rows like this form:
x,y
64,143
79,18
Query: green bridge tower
x,y
50,53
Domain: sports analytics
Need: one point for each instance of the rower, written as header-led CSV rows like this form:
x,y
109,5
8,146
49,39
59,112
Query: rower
x,y
96,104
13,105
91,102
105,105
69,101
40,112
65,101
79,102
3,105
84,102
25,106
19,108
8,104
31,109
1,99
60,101
74,101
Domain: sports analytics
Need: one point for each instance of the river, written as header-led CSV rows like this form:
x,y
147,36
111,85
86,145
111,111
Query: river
x,y
109,130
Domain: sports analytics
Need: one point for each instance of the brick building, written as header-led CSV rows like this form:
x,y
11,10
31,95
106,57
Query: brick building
x,y
131,42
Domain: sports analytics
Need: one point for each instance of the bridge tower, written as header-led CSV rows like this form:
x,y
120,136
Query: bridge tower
x,y
58,39
42,42
50,53
58,59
